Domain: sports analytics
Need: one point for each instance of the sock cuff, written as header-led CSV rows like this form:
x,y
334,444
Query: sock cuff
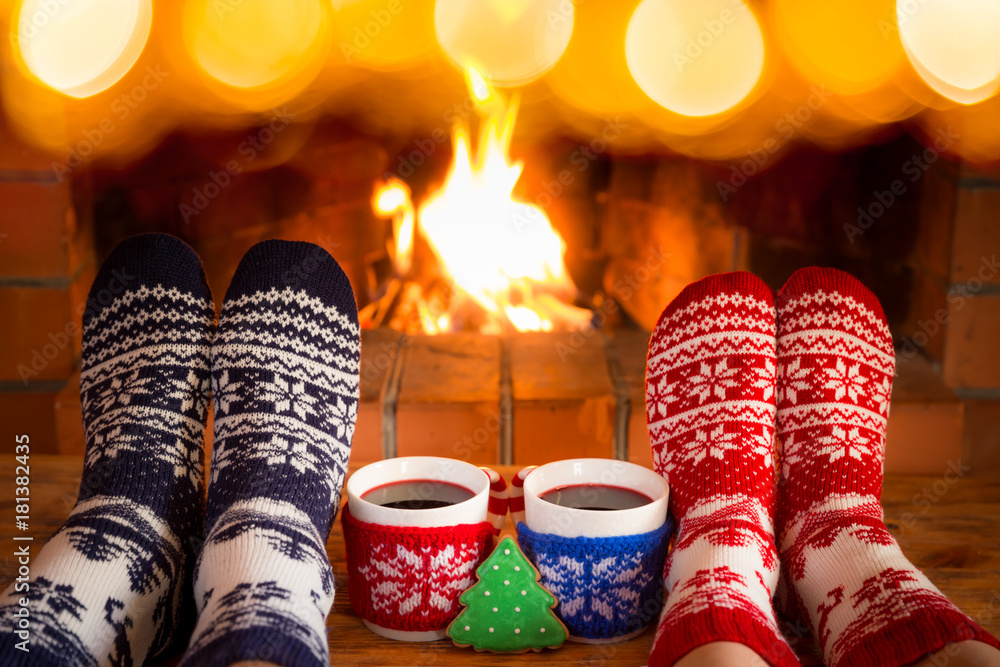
x,y
907,640
719,624
410,578
281,646
621,575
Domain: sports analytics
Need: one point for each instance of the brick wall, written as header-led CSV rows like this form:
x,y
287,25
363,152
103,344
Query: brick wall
x,y
46,267
955,313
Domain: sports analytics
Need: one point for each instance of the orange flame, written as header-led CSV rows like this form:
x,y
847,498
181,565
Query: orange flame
x,y
501,252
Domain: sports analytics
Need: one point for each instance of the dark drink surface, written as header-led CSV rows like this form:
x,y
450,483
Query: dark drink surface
x,y
595,497
422,494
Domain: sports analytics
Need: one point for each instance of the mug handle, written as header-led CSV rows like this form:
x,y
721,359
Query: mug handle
x,y
517,495
496,512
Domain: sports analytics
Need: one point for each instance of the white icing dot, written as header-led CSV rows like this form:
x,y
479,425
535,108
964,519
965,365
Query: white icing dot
x,y
491,629
496,567
486,593
506,582
494,608
522,593
517,568
517,631
517,609
541,629
467,628
506,552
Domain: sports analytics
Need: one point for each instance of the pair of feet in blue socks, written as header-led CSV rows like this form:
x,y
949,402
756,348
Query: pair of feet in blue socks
x,y
142,565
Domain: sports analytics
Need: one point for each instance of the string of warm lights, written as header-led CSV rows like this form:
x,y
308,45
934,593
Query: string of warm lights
x,y
715,79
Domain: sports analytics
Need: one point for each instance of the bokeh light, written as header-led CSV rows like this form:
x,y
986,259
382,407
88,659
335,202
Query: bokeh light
x,y
255,43
695,57
81,48
850,45
381,35
512,42
592,74
953,45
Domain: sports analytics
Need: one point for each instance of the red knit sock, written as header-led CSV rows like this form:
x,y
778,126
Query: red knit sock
x,y
710,409
864,600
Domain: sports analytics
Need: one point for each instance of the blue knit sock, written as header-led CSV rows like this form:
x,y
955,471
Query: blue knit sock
x,y
285,382
112,586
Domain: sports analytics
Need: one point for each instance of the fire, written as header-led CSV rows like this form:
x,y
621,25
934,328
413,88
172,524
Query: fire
x,y
501,253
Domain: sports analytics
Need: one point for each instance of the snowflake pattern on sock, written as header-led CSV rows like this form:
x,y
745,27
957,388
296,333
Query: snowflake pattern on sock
x,y
866,603
112,585
285,386
710,398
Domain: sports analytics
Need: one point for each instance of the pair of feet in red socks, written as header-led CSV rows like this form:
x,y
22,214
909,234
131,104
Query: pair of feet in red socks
x,y
726,368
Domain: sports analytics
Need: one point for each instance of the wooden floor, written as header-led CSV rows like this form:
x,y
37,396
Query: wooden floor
x,y
947,525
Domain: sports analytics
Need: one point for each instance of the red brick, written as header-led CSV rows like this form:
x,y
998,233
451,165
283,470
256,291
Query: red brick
x,y
928,309
564,403
982,436
976,241
379,349
42,334
630,349
41,237
31,413
69,418
18,155
926,421
970,353
449,398
937,215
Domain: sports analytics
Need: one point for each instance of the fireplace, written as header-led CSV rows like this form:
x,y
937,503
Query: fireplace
x,y
553,365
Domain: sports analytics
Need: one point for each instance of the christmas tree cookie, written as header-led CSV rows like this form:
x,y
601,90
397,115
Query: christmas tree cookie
x,y
507,610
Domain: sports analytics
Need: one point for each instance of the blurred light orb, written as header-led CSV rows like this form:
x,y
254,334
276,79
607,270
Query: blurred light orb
x,y
848,45
81,47
952,44
384,35
253,43
695,57
512,42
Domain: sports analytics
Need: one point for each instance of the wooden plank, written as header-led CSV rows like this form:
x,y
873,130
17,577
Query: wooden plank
x,y
956,542
564,401
449,398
